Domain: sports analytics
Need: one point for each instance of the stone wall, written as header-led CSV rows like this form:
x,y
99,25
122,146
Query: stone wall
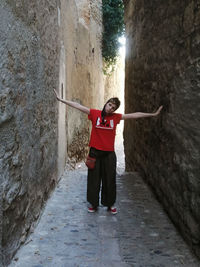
x,y
163,67
84,76
114,87
28,126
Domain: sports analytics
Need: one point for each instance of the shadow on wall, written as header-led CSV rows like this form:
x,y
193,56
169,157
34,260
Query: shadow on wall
x,y
28,125
162,66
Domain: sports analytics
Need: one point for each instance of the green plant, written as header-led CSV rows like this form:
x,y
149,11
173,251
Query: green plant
x,y
113,24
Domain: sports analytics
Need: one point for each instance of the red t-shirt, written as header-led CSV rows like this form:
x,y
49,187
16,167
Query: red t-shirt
x,y
103,135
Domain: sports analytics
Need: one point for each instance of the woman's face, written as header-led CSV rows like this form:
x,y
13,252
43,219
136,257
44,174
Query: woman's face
x,y
110,108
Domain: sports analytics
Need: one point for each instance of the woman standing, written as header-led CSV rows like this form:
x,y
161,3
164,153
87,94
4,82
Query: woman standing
x,y
103,175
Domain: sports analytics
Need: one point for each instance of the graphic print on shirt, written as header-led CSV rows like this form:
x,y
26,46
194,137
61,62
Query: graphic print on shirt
x,y
107,125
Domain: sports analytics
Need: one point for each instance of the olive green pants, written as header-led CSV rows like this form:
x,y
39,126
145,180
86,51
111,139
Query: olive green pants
x,y
103,177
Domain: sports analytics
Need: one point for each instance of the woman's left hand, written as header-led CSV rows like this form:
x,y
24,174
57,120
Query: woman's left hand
x,y
158,111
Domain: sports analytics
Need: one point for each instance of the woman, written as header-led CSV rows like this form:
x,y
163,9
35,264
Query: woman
x,y
102,149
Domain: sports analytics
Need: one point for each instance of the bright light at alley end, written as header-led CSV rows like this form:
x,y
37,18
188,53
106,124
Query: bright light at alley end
x,y
122,49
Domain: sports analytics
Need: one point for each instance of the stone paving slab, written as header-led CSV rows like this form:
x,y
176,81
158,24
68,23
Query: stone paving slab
x,y
140,235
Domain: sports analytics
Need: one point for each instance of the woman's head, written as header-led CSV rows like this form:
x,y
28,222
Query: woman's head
x,y
111,105
115,101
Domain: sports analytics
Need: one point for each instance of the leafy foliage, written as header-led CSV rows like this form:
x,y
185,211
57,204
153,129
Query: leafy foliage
x,y
113,23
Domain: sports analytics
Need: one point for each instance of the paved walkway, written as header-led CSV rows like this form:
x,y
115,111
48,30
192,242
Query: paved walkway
x,y
140,235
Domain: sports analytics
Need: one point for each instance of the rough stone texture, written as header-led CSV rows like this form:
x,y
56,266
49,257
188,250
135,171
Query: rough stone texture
x,y
163,67
28,136
114,87
114,83
84,76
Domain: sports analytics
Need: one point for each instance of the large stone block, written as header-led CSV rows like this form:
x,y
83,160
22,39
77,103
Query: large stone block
x,y
28,137
162,67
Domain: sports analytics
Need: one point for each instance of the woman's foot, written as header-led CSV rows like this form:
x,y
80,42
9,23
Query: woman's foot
x,y
112,209
92,209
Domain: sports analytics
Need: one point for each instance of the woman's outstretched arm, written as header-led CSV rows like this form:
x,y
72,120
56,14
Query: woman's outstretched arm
x,y
72,104
138,115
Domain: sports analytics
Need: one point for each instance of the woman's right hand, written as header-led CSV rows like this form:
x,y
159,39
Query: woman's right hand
x,y
72,103
57,95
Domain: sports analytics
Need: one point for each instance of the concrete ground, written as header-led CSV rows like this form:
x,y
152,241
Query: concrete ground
x,y
140,235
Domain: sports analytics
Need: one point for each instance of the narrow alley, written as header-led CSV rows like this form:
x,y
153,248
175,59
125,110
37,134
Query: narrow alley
x,y
61,60
139,235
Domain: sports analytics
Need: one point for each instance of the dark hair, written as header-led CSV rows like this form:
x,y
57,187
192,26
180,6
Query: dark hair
x,y
113,100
